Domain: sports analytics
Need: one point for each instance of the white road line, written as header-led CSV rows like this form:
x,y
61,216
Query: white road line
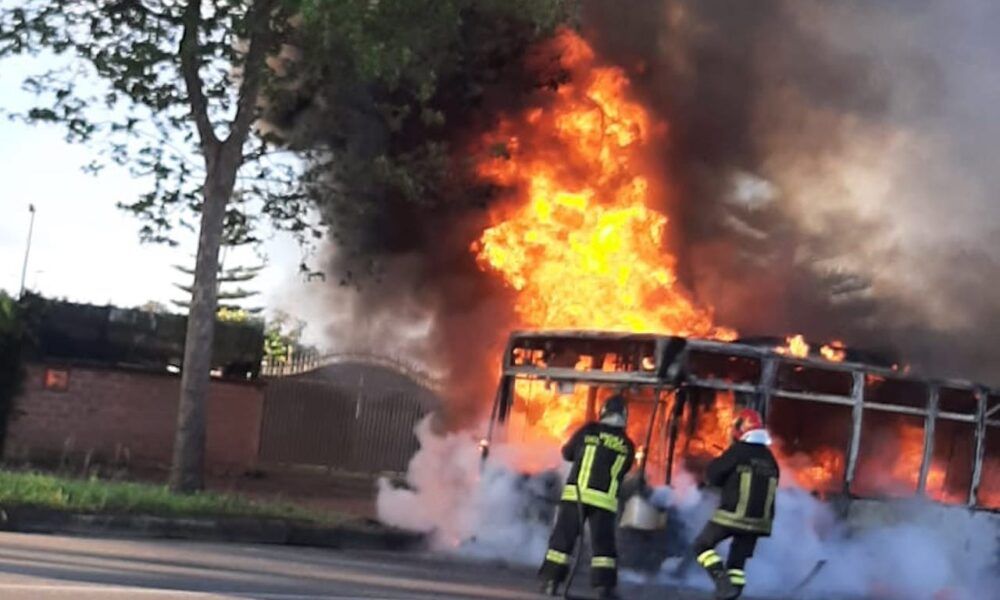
x,y
135,591
132,592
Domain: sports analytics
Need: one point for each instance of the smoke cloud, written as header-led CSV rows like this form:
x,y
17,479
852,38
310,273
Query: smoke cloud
x,y
832,170
900,549
432,310
903,549
836,164
487,510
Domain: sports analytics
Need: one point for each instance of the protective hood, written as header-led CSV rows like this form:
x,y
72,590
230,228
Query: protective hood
x,y
757,436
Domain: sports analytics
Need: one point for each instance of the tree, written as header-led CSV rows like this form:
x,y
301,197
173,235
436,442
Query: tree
x,y
172,91
228,299
236,234
386,97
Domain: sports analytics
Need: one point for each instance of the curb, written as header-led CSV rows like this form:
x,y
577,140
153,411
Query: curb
x,y
247,530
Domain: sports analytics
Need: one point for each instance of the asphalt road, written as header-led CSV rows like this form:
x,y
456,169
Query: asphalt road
x,y
59,567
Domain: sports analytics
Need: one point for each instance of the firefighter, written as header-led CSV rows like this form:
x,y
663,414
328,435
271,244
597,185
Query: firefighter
x,y
602,454
747,474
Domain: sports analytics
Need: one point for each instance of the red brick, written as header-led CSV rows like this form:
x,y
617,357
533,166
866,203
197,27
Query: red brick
x,y
104,408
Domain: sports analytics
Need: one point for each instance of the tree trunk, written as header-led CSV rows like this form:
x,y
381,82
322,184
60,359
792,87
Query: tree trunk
x,y
187,470
222,160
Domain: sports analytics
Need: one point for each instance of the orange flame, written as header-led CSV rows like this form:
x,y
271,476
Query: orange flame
x,y
834,351
580,243
583,246
906,465
794,346
544,413
820,470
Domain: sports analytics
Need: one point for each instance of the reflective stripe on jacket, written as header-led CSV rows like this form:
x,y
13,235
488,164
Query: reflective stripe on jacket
x,y
601,455
748,476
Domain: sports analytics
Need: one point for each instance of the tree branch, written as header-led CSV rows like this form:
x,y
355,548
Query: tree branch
x,y
253,70
192,79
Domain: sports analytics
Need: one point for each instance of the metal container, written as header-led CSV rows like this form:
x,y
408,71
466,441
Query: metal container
x,y
641,514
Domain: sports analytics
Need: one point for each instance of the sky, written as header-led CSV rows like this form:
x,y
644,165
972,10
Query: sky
x,y
83,247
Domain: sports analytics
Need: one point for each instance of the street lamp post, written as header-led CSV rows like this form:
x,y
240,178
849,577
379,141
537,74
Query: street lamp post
x,y
27,250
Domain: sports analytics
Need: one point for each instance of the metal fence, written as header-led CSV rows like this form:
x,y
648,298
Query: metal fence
x,y
310,419
306,362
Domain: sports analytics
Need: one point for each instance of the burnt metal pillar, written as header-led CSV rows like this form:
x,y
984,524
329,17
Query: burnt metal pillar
x,y
498,401
505,399
649,436
501,409
591,403
930,422
977,464
768,375
857,413
680,399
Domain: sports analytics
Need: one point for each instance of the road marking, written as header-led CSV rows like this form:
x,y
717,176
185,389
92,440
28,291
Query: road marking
x,y
135,591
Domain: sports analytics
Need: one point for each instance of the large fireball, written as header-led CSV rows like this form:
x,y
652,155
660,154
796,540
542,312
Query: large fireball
x,y
581,242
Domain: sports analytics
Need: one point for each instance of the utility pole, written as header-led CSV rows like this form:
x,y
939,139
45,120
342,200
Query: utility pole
x,y
27,250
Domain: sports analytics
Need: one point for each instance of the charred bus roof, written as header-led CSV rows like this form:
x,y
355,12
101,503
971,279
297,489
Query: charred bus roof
x,y
663,359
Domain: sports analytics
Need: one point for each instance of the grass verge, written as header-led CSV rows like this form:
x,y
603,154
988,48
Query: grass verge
x,y
100,496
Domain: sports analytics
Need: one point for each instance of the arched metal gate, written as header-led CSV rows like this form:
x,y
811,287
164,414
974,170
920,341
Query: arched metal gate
x,y
351,417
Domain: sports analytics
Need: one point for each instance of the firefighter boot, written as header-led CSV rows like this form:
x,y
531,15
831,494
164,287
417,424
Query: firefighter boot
x,y
712,563
724,589
607,593
738,579
549,587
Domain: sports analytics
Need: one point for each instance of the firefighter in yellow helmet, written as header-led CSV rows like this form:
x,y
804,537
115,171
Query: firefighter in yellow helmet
x,y
747,474
602,454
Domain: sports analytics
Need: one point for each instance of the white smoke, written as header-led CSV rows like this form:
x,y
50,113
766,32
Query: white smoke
x,y
467,505
887,550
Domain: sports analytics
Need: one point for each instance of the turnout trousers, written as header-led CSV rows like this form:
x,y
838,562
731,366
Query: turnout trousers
x,y
603,564
740,551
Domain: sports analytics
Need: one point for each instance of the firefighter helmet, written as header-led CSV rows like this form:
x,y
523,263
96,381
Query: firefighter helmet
x,y
615,411
747,420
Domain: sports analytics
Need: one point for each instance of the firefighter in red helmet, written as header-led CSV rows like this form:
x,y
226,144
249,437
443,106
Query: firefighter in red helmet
x,y
602,454
747,475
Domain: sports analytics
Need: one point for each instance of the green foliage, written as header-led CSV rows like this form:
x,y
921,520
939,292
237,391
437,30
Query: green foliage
x,y
93,495
120,86
283,338
229,308
13,347
372,99
412,44
232,315
172,91
384,90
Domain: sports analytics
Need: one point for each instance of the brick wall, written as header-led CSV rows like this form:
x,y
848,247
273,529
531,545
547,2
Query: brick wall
x,y
103,410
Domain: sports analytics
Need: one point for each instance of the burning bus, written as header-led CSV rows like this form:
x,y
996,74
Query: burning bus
x,y
842,428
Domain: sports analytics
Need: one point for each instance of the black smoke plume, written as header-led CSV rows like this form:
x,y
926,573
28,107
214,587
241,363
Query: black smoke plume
x,y
836,165
834,168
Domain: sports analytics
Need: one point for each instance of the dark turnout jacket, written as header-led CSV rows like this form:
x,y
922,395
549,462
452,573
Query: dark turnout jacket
x,y
748,477
602,454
